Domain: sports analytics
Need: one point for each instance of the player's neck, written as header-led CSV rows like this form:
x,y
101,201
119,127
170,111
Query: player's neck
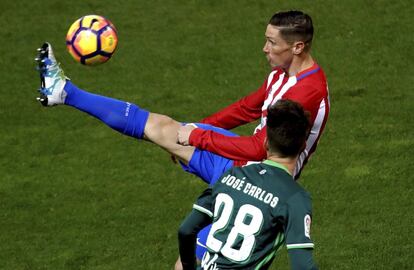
x,y
300,63
288,162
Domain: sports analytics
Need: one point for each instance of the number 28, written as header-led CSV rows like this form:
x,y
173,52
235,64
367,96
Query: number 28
x,y
247,231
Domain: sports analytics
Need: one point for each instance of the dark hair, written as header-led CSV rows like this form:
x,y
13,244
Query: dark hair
x,y
294,26
287,128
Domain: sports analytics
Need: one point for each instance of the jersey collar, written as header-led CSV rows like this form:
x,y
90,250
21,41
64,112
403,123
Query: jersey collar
x,y
277,165
305,73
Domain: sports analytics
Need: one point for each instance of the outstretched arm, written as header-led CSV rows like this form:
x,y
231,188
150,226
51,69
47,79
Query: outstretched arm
x,y
245,110
236,148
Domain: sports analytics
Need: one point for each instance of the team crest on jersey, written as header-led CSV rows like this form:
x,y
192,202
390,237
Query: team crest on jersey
x,y
307,223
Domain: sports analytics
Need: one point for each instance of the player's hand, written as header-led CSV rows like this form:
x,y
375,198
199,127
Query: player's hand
x,y
183,134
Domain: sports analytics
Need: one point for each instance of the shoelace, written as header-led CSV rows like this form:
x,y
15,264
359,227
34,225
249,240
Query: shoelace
x,y
48,70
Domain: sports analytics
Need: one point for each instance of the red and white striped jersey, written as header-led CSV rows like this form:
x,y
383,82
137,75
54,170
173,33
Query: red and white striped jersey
x,y
309,88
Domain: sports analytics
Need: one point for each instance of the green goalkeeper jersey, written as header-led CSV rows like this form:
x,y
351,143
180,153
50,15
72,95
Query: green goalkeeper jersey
x,y
255,209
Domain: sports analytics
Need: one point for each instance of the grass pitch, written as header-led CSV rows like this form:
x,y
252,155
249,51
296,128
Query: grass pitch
x,y
77,195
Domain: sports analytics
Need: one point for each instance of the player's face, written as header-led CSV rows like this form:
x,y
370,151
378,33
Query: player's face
x,y
278,52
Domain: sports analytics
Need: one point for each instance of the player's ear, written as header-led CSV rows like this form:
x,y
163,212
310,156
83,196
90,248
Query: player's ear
x,y
298,47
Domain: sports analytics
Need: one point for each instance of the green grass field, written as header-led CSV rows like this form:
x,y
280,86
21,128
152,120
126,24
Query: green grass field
x,y
76,195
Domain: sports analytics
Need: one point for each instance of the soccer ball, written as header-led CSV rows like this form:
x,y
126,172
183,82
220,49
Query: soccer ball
x,y
91,40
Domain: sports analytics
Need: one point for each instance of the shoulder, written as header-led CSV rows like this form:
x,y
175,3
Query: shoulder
x,y
312,88
290,190
300,197
281,181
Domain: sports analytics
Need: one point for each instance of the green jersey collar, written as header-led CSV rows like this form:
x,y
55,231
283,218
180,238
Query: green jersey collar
x,y
275,164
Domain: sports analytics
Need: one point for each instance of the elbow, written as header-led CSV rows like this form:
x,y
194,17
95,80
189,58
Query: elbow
x,y
185,233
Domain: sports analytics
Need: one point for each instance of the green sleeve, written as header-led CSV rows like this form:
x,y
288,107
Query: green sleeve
x,y
301,259
204,202
187,235
299,216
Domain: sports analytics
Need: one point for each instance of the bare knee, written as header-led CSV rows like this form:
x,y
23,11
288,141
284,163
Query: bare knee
x,y
161,129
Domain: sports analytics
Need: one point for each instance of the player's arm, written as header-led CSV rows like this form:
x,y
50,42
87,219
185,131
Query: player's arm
x,y
301,259
245,110
297,231
235,148
187,236
199,217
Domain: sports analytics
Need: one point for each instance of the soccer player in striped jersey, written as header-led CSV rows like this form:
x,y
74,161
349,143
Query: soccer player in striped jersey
x,y
210,149
256,208
295,76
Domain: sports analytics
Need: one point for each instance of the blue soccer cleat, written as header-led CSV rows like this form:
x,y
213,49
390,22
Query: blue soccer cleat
x,y
52,78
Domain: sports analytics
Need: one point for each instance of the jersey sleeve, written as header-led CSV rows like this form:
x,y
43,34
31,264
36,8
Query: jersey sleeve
x,y
187,235
245,110
204,203
299,217
235,148
301,259
200,216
